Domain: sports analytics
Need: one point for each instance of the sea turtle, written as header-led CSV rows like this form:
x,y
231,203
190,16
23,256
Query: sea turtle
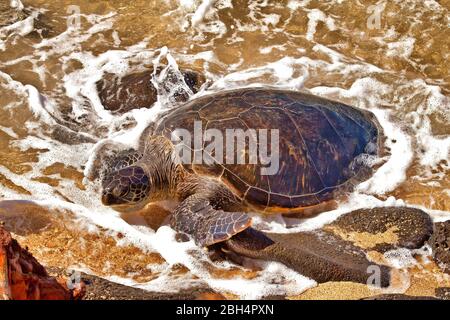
x,y
324,149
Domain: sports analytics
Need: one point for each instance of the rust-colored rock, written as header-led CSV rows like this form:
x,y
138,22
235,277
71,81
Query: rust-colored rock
x,y
22,277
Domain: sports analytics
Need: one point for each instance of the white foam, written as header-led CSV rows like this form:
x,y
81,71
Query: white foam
x,y
436,148
314,16
9,83
36,104
163,283
116,38
402,48
400,258
9,131
269,49
393,172
16,4
201,11
275,279
295,4
19,28
71,39
81,84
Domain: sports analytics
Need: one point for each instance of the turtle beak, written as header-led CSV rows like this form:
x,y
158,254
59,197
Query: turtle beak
x,y
106,198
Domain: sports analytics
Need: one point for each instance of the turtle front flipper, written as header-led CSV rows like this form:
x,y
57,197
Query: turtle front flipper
x,y
196,217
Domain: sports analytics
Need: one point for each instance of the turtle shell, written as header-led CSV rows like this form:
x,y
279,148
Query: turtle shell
x,y
324,147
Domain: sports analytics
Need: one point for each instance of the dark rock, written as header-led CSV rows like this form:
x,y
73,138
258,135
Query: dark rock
x,y
101,289
319,255
324,257
330,254
443,293
413,226
399,297
135,91
440,245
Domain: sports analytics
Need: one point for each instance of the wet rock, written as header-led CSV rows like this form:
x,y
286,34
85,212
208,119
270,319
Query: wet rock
x,y
319,255
324,257
338,251
68,136
440,245
385,228
443,293
399,297
101,289
22,277
134,91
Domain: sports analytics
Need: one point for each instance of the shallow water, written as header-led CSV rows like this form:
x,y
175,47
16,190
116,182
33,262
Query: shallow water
x,y
52,122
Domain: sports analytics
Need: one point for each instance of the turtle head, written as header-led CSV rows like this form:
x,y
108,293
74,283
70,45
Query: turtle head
x,y
126,186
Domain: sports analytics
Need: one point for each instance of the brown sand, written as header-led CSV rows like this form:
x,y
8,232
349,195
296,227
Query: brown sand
x,y
337,291
366,240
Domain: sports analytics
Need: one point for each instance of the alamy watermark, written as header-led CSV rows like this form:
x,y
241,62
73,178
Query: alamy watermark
x,y
374,280
74,17
229,146
74,280
374,20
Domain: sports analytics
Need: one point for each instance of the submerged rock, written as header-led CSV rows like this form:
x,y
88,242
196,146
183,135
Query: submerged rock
x,y
22,277
134,91
319,255
338,251
324,257
440,245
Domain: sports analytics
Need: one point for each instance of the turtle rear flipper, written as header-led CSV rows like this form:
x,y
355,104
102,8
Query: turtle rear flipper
x,y
196,217
250,243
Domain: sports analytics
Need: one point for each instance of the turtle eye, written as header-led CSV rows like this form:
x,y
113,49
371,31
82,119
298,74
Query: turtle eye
x,y
119,191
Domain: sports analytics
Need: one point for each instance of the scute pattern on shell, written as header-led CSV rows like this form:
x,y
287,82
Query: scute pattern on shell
x,y
322,144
